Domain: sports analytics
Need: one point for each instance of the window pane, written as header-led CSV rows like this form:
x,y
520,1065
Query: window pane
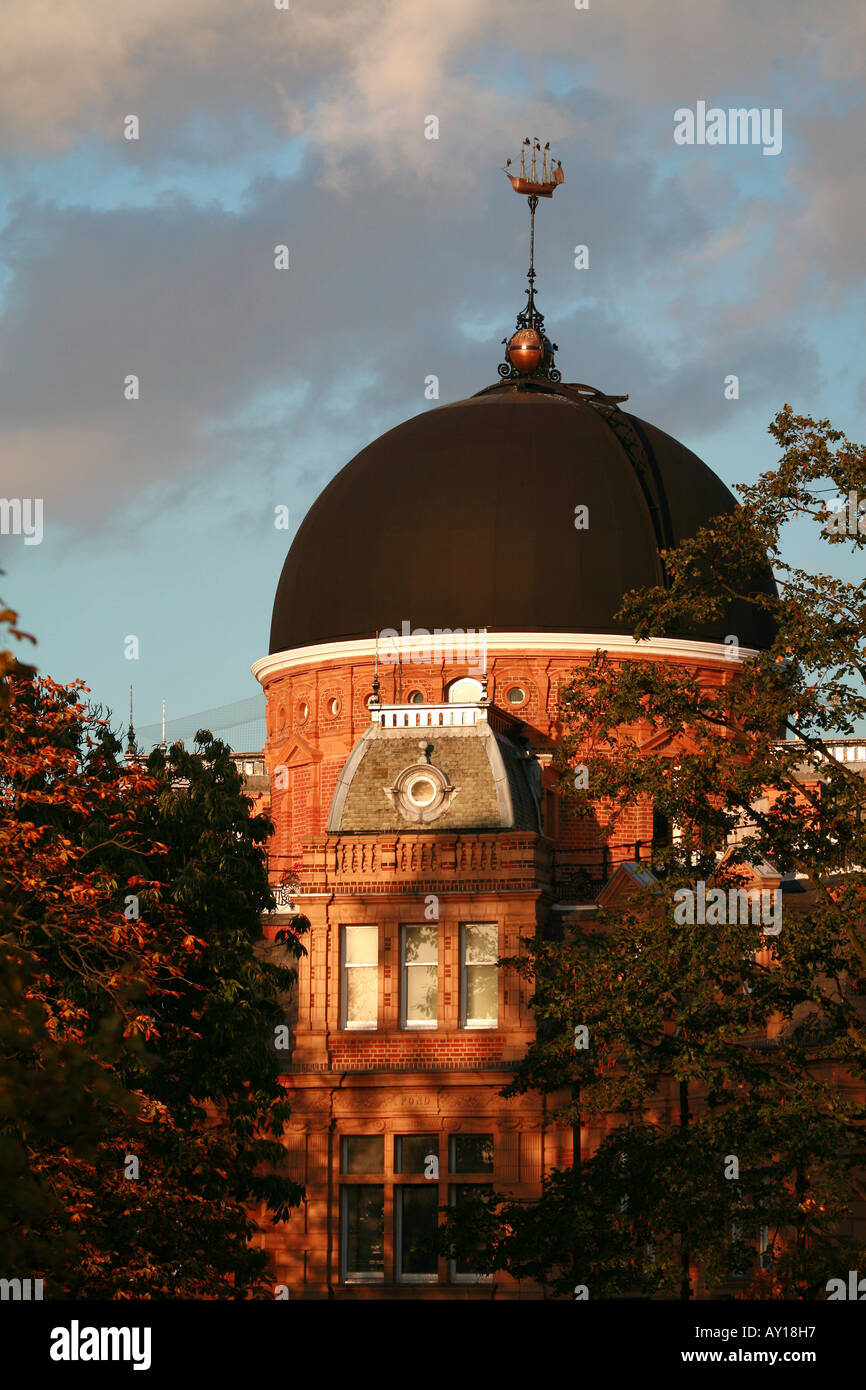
x,y
471,1153
411,1152
363,1153
364,1230
418,1225
461,1194
421,993
361,994
481,994
421,945
481,943
362,945
464,691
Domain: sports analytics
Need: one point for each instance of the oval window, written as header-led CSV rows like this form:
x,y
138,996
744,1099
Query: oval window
x,y
334,707
303,711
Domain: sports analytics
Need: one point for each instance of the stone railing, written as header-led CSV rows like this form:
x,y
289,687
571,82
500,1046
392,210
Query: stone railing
x,y
443,716
846,750
380,863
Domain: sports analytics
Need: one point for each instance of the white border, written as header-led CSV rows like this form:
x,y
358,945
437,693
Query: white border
x,y
526,643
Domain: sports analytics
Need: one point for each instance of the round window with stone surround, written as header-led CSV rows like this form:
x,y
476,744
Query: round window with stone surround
x,y
421,793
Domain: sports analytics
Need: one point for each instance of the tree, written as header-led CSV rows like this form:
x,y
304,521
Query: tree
x,y
140,1103
680,1074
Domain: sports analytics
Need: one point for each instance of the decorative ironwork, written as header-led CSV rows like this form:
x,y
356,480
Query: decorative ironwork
x,y
529,351
284,895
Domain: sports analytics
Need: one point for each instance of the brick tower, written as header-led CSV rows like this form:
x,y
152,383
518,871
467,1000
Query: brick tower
x,y
441,590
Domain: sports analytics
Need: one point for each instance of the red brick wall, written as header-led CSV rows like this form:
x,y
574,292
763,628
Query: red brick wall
x,y
413,1051
315,715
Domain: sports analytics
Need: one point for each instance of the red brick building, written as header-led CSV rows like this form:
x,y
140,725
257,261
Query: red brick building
x,y
489,544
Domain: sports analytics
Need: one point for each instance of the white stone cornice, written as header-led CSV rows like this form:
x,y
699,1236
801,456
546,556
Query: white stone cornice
x,y
498,643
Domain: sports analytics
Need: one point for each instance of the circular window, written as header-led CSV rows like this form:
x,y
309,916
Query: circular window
x,y
416,697
334,707
303,711
421,791
516,695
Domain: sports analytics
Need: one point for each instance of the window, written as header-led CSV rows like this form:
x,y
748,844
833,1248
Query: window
x,y
415,697
464,1270
412,1152
516,695
360,976
662,832
363,1231
416,1212
471,1153
362,1153
362,1207
421,791
465,691
334,707
420,992
479,982
763,1246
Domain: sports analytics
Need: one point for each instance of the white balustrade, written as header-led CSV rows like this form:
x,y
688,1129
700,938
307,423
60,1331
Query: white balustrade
x,y
445,716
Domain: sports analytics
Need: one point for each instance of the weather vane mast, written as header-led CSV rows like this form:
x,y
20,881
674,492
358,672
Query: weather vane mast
x,y
529,352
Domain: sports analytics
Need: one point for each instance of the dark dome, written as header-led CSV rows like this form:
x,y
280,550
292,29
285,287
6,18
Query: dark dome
x,y
464,517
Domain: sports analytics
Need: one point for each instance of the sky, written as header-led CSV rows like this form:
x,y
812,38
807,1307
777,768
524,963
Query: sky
x,y
306,127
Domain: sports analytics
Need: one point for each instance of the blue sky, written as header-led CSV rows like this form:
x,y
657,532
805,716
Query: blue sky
x,y
407,258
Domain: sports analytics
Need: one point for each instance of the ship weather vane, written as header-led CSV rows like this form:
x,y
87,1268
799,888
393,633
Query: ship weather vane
x,y
529,352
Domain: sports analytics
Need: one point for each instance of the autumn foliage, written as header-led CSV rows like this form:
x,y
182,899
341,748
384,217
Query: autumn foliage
x,y
725,1068
140,1104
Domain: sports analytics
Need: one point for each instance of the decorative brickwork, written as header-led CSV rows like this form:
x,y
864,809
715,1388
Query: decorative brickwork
x,y
360,1068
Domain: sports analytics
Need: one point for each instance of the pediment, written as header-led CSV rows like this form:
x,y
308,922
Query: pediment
x,y
295,752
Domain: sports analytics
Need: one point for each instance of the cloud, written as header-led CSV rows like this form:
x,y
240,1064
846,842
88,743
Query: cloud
x,y
361,71
694,273
186,298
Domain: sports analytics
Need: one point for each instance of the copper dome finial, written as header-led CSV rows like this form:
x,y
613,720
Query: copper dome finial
x,y
529,352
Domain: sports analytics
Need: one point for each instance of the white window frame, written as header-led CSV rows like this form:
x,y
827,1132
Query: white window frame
x,y
415,1025
345,967
465,1021
357,1276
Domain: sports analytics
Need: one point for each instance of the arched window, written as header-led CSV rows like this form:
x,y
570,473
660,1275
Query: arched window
x,y
464,691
